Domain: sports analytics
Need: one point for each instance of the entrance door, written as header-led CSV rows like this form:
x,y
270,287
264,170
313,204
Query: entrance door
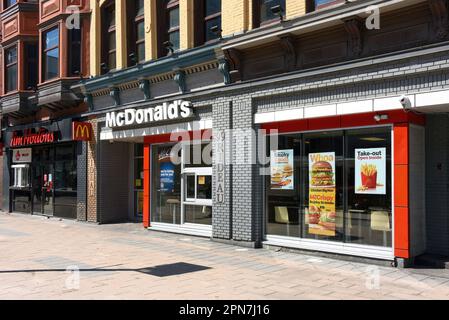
x,y
43,189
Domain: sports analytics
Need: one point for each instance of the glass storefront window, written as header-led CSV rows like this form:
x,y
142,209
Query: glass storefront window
x,y
333,186
21,176
192,178
166,182
369,217
198,214
283,205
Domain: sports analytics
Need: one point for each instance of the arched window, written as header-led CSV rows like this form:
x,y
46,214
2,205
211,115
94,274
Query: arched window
x,y
108,41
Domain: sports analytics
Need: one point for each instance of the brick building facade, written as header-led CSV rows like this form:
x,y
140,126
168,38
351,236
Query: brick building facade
x,y
316,75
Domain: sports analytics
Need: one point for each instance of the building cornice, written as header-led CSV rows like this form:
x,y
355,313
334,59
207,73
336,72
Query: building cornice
x,y
312,21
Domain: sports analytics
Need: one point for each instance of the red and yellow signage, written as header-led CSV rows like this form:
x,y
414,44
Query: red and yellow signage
x,y
321,212
82,131
31,139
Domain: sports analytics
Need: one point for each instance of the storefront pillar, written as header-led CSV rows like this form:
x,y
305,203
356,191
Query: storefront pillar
x,y
146,184
401,191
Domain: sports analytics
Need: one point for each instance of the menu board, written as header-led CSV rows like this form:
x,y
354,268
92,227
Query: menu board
x,y
282,172
321,212
370,171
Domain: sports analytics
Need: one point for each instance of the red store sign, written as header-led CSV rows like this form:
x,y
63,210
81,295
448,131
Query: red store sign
x,y
31,139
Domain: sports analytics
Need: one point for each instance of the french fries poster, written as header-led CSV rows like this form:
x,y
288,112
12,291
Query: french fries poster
x,y
320,215
281,163
370,171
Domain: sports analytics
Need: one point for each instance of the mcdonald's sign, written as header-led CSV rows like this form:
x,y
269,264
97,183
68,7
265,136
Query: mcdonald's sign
x,y
81,131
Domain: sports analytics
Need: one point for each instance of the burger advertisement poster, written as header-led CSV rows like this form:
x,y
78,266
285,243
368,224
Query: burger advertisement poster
x,y
320,215
281,163
370,171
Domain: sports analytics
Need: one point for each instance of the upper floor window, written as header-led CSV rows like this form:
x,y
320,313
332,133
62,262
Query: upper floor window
x,y
207,20
31,65
74,59
51,54
8,3
11,69
136,27
266,11
168,39
109,40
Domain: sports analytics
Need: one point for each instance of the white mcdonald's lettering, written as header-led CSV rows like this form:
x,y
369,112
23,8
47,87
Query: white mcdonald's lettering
x,y
177,109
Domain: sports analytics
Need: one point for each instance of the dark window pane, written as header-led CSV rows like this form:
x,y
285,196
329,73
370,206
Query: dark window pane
x,y
111,16
190,186
112,61
140,8
204,187
173,18
11,78
174,39
212,7
75,51
141,30
265,9
141,52
51,64
111,41
31,53
209,24
198,214
9,3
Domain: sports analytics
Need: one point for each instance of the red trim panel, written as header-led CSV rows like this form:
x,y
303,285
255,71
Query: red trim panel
x,y
346,121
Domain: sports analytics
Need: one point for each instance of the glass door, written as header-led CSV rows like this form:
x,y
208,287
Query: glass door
x,y
138,180
42,180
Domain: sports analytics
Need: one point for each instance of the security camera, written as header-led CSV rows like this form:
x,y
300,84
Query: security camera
x,y
405,102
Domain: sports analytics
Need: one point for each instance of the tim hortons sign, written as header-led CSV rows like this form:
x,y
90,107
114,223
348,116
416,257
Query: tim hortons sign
x,y
167,111
81,131
28,139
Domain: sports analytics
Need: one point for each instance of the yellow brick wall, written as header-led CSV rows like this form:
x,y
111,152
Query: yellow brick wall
x,y
120,33
186,24
295,8
236,18
235,15
150,30
94,50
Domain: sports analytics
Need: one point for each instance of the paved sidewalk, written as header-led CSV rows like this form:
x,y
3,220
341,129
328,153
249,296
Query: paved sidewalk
x,y
126,261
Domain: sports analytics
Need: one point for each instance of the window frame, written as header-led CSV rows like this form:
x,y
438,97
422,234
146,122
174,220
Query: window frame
x,y
29,60
7,66
46,50
201,21
6,5
164,29
70,53
257,19
134,19
107,30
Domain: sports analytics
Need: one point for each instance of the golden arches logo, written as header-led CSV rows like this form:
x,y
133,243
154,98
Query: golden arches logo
x,y
82,131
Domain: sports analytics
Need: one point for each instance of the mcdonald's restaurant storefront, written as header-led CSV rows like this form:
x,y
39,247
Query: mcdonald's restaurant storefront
x,y
41,173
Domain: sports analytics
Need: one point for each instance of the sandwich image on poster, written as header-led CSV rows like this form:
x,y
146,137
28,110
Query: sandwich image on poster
x,y
370,171
320,215
281,169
